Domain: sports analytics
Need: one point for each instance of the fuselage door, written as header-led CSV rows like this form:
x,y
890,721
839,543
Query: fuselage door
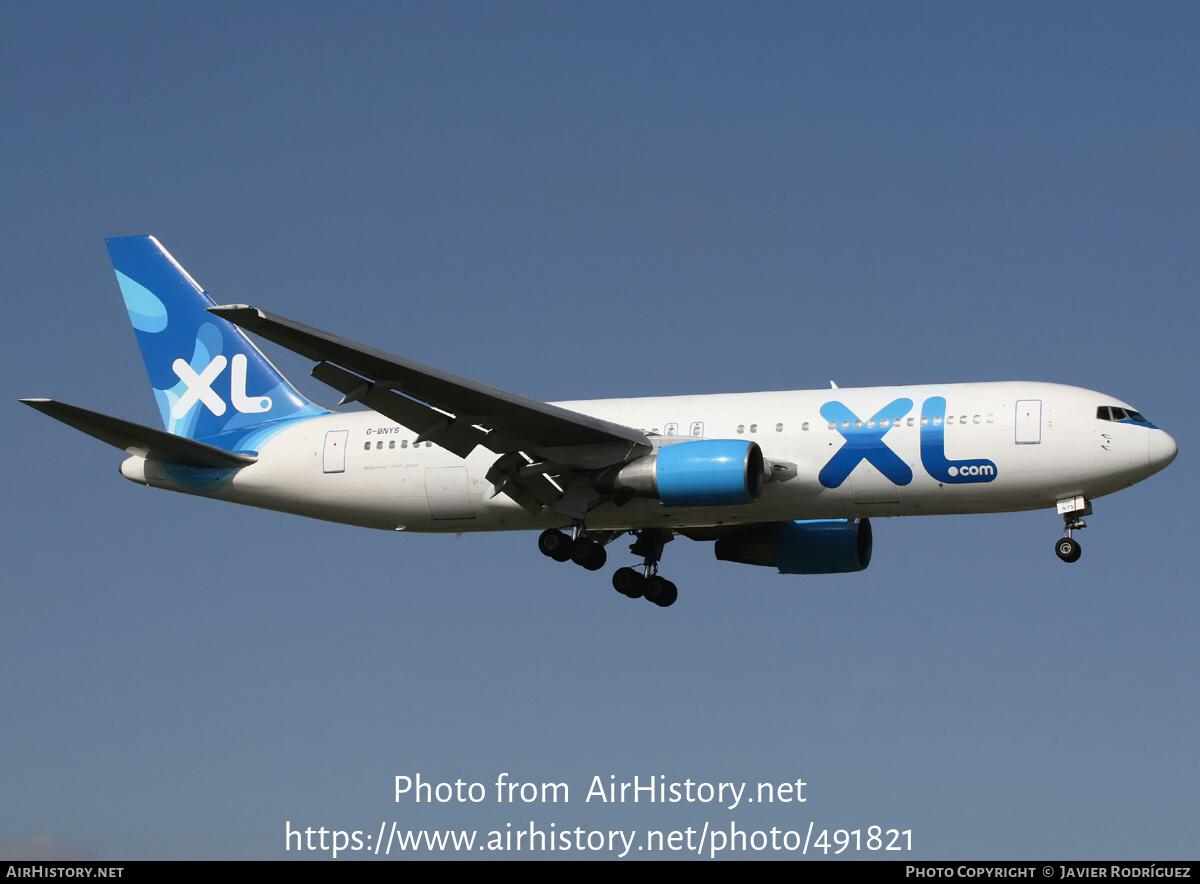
x,y
334,458
1029,421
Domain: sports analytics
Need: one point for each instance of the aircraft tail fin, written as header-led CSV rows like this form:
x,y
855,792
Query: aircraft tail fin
x,y
208,378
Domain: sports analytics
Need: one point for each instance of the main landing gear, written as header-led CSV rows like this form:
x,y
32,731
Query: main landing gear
x,y
632,582
647,583
1072,509
583,551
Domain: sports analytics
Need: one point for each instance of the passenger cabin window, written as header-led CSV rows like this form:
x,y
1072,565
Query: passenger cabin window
x,y
697,428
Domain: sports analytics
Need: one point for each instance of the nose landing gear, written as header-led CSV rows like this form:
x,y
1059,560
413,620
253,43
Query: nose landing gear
x,y
1072,510
1068,549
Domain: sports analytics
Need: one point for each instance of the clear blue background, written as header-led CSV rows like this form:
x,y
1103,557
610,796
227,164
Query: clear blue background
x,y
597,200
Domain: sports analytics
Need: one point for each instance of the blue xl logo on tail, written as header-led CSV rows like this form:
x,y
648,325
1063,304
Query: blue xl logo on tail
x,y
199,388
208,379
864,441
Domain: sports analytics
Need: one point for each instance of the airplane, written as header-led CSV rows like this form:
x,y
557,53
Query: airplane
x,y
788,480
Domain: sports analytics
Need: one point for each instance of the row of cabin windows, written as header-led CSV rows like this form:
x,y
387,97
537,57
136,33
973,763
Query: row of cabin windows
x,y
392,444
885,423
936,420
741,428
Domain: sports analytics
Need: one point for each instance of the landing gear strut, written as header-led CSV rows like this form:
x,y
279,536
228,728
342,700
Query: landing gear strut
x,y
1072,509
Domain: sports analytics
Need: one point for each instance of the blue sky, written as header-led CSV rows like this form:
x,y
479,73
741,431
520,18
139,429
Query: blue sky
x,y
602,200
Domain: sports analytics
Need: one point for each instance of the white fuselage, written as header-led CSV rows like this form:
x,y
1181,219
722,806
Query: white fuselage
x,y
984,447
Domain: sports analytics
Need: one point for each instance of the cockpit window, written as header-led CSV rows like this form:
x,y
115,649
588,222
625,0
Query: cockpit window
x,y
1117,413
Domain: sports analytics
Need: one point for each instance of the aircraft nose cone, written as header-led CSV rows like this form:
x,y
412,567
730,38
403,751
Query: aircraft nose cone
x,y
1162,450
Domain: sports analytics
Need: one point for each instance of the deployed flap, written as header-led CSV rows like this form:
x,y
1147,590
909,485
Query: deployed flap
x,y
140,440
466,412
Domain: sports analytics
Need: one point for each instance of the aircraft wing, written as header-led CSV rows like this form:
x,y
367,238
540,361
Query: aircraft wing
x,y
140,440
533,438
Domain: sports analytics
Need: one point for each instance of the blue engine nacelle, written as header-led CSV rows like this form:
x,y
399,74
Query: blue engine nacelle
x,y
707,472
816,547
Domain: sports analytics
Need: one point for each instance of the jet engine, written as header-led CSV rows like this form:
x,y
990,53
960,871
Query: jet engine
x,y
806,547
707,472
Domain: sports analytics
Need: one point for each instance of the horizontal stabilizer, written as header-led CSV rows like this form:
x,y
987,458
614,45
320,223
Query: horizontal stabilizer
x,y
137,439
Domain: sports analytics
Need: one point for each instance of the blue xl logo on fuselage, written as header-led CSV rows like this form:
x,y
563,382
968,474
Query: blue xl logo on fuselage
x,y
933,450
864,441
